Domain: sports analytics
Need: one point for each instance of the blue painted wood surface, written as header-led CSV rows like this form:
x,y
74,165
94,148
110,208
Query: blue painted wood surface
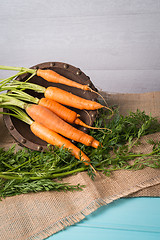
x,y
127,219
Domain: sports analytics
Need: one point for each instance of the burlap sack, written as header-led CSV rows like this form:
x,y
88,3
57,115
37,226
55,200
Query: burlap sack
x,y
40,215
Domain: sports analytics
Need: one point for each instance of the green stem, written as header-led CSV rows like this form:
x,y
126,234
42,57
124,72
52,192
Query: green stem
x,y
54,171
109,169
52,176
59,175
18,69
65,168
141,155
18,113
7,80
10,177
33,74
8,100
22,96
129,157
18,173
24,85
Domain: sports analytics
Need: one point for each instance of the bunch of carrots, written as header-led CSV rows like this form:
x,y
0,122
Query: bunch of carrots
x,y
48,117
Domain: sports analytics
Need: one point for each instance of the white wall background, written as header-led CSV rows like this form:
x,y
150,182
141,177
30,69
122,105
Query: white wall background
x,y
115,42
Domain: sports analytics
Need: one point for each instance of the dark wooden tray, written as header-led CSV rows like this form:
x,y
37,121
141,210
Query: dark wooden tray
x,y
21,131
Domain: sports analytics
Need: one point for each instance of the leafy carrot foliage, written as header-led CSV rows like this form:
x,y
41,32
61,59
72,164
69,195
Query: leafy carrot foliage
x,y
32,171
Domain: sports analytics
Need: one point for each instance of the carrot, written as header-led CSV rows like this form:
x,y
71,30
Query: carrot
x,y
52,76
63,112
49,119
72,100
58,95
46,134
48,75
54,138
60,110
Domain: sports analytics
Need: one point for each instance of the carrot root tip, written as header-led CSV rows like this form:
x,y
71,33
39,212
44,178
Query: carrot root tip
x,y
95,143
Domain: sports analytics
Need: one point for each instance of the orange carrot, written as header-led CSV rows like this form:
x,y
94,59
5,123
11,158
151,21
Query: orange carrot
x,y
58,95
49,119
52,76
49,75
65,113
54,138
46,134
71,100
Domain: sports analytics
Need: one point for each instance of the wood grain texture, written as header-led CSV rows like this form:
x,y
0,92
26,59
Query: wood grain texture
x,y
66,8
116,42
126,81
123,219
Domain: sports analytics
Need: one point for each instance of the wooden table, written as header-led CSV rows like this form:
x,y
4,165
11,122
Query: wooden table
x,y
127,219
